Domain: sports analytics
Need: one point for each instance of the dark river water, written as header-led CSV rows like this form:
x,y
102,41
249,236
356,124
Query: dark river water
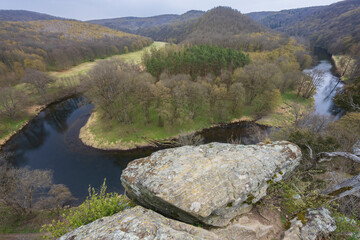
x,y
51,141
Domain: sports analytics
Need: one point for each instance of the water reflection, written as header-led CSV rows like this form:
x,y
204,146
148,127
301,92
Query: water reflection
x,y
324,104
51,141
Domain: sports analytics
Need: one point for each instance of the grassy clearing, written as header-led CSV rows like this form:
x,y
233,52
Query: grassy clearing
x,y
284,114
108,134
113,135
58,90
85,67
135,57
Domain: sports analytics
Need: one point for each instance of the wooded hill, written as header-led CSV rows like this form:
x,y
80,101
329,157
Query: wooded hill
x,y
221,26
23,16
335,27
148,26
283,18
227,27
57,45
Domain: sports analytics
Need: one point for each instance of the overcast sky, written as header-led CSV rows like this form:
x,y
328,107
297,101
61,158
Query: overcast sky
x,y
97,9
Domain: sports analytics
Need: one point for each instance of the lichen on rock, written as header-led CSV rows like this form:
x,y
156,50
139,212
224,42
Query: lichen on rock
x,y
319,222
210,183
139,223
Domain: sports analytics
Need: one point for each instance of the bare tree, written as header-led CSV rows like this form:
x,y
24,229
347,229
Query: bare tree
x,y
146,93
23,189
162,103
58,196
344,63
10,101
317,77
302,81
39,80
237,97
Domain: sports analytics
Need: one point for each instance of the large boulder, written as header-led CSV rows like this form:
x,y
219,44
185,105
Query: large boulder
x,y
210,183
138,223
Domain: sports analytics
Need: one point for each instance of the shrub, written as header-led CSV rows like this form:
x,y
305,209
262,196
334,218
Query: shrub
x,y
295,196
97,205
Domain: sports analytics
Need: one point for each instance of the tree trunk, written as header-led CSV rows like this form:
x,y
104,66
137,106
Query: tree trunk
x,y
326,156
349,186
345,188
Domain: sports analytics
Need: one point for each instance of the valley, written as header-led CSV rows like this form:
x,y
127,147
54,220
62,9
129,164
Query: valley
x,y
219,124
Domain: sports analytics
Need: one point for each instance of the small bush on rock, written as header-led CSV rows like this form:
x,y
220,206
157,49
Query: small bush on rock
x,y
97,205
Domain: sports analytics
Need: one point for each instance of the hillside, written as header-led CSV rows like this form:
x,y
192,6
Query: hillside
x,y
23,16
335,27
284,18
57,45
221,25
141,25
257,16
220,22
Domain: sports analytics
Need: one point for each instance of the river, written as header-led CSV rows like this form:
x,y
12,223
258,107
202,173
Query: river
x,y
324,104
51,141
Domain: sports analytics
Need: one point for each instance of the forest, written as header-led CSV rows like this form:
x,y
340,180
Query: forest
x,y
189,86
194,61
57,45
147,26
335,27
23,15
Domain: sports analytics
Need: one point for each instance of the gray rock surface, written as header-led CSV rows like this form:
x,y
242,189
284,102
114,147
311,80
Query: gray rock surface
x,y
245,228
138,223
210,183
319,222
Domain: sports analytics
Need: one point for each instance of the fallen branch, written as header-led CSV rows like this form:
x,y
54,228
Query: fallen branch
x,y
348,187
355,156
310,151
327,156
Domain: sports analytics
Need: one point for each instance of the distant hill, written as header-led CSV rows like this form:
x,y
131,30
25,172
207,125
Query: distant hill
x,y
23,16
335,27
283,18
139,25
257,16
57,45
222,24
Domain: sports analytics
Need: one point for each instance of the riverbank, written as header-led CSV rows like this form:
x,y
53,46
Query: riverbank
x,y
91,134
60,91
336,63
34,111
88,137
31,113
339,70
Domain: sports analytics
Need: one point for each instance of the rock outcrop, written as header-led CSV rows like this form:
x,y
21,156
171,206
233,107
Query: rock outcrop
x,y
210,183
245,228
318,223
139,223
